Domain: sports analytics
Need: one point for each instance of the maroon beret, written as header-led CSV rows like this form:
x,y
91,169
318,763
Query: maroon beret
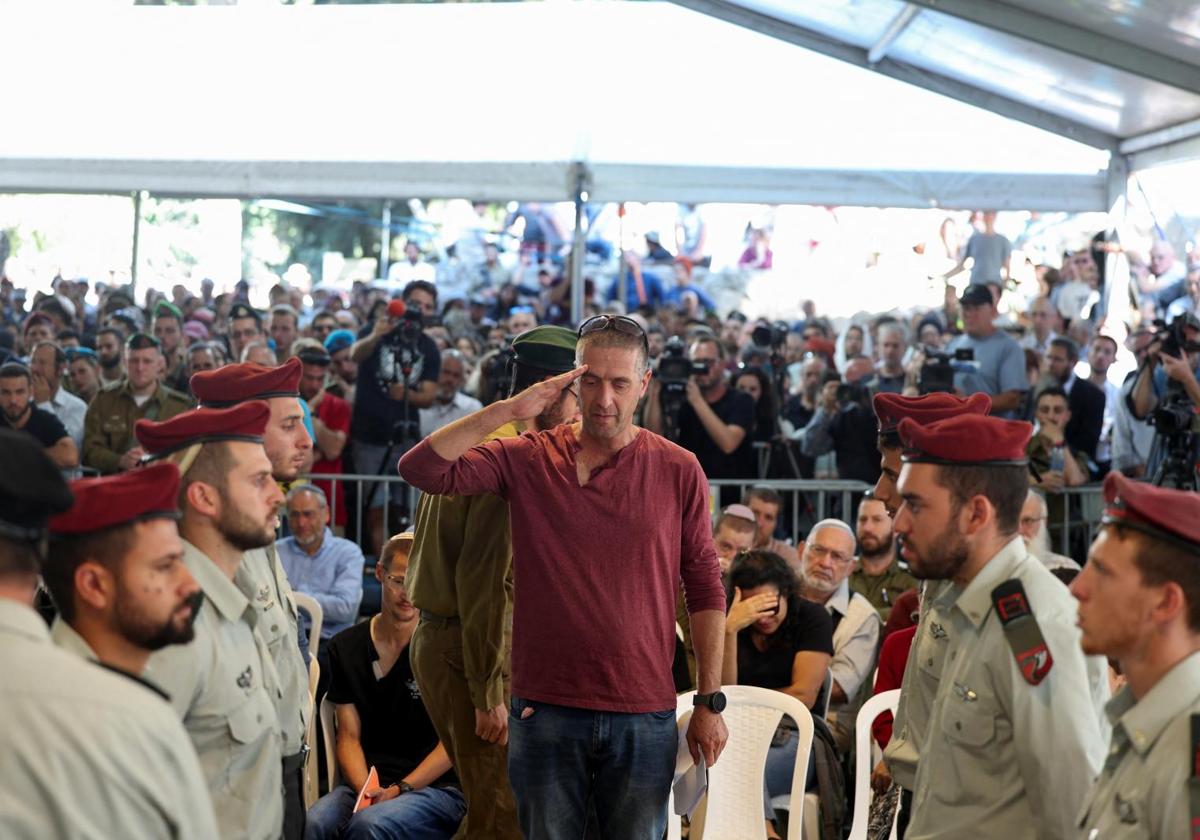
x,y
113,500
1170,515
926,409
33,319
245,422
967,440
234,384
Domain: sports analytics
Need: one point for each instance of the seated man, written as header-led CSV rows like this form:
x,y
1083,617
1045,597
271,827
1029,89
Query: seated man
x,y
1034,514
879,576
382,723
767,504
319,564
824,578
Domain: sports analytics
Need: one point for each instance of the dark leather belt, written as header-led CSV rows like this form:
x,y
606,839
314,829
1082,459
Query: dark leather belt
x,y
292,763
438,619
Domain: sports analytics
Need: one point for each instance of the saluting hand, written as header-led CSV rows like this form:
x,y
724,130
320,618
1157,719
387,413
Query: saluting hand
x,y
537,398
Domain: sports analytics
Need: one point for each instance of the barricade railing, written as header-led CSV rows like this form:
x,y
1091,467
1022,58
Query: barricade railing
x,y
805,502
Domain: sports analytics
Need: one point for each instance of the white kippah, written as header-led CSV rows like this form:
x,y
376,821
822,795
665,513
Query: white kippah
x,y
838,524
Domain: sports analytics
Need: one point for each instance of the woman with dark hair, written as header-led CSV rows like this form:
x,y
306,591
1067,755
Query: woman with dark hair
x,y
775,639
755,382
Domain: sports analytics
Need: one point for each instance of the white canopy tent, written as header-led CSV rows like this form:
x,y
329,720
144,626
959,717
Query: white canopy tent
x,y
628,101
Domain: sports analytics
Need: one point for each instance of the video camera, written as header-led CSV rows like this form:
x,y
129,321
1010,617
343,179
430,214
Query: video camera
x,y
675,368
770,335
1174,419
937,373
411,324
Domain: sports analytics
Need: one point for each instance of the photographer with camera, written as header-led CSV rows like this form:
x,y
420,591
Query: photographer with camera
x,y
845,424
690,401
398,369
1167,393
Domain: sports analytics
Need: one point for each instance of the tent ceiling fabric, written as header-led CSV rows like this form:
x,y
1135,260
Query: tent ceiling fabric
x,y
657,102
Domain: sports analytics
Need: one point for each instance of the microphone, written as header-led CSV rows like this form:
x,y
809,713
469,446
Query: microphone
x,y
396,309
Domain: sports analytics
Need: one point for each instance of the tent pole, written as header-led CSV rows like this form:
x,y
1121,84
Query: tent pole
x,y
579,244
385,239
137,232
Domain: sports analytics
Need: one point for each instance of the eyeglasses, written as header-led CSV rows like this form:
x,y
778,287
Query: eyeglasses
x,y
620,323
819,550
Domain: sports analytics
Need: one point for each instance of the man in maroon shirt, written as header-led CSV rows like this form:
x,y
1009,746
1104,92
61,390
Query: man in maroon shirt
x,y
606,520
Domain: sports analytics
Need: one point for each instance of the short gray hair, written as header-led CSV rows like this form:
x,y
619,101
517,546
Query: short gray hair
x,y
305,487
839,525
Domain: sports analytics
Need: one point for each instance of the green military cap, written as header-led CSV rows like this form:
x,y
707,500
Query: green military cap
x,y
141,341
546,348
241,310
169,309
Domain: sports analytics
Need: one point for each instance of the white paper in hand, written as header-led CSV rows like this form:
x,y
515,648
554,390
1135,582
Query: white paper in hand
x,y
690,787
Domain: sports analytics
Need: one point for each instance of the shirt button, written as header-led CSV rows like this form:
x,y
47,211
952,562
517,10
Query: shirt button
x,y
930,663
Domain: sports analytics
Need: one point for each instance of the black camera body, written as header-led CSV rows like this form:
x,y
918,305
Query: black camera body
x,y
937,374
853,392
675,368
408,332
770,335
1174,335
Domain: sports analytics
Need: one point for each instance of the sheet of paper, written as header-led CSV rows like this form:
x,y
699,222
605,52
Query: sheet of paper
x,y
371,783
690,787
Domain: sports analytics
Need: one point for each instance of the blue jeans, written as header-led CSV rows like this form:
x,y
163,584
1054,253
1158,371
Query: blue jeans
x,y
426,814
561,759
777,777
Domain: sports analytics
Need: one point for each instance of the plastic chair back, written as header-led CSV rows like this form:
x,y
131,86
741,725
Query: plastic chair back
x,y
885,701
329,738
311,784
316,617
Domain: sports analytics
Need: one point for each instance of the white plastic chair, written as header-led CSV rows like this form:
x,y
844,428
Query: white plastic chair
x,y
734,805
885,701
329,738
316,617
311,786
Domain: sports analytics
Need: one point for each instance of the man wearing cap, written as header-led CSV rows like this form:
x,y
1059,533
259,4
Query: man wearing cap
x,y
344,369
593,705
460,578
261,577
108,440
999,366
91,752
168,329
245,326
1139,604
224,684
1015,724
922,672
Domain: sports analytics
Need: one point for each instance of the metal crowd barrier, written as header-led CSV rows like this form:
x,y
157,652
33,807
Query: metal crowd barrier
x,y
805,502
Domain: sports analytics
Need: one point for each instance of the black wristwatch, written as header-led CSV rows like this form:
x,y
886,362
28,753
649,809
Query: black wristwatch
x,y
714,701
405,787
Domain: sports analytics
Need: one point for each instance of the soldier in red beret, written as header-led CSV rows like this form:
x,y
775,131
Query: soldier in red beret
x,y
1139,604
224,684
261,576
1015,728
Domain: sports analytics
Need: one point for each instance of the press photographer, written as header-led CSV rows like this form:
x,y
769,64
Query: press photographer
x,y
1166,392
715,421
845,424
397,375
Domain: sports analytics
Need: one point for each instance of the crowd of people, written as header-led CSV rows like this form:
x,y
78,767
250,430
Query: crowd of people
x,y
508,684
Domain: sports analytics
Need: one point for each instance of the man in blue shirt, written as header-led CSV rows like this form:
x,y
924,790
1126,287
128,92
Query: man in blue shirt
x,y
328,568
999,367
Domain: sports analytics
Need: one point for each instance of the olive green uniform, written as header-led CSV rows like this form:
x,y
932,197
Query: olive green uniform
x,y
108,426
459,576
882,590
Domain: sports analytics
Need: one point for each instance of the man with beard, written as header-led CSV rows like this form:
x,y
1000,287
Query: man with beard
x,y
593,702
460,578
1037,537
344,369
824,579
260,577
879,577
18,412
331,425
1017,708
167,327
1139,604
110,342
224,684
920,684
93,751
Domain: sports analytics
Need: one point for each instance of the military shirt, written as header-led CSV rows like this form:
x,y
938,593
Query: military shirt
x,y
85,752
882,590
264,583
1142,792
68,638
108,426
922,673
1004,758
461,565
223,684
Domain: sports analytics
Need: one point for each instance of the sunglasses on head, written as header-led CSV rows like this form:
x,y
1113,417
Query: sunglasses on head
x,y
620,323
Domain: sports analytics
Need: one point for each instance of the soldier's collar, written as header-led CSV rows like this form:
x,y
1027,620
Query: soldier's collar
x,y
1146,719
225,596
975,601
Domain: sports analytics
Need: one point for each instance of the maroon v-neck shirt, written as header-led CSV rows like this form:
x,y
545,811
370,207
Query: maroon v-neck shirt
x,y
596,568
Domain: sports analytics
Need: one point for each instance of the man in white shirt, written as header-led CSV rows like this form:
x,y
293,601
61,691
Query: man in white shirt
x,y
412,267
450,403
1045,318
826,564
47,366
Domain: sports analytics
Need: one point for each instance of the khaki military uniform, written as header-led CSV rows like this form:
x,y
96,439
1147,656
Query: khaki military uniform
x,y
460,577
88,752
1142,792
67,638
1003,758
224,686
882,590
108,426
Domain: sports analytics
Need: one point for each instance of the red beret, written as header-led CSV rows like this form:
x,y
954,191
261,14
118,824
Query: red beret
x,y
967,440
233,384
113,500
33,319
1170,515
245,422
926,409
